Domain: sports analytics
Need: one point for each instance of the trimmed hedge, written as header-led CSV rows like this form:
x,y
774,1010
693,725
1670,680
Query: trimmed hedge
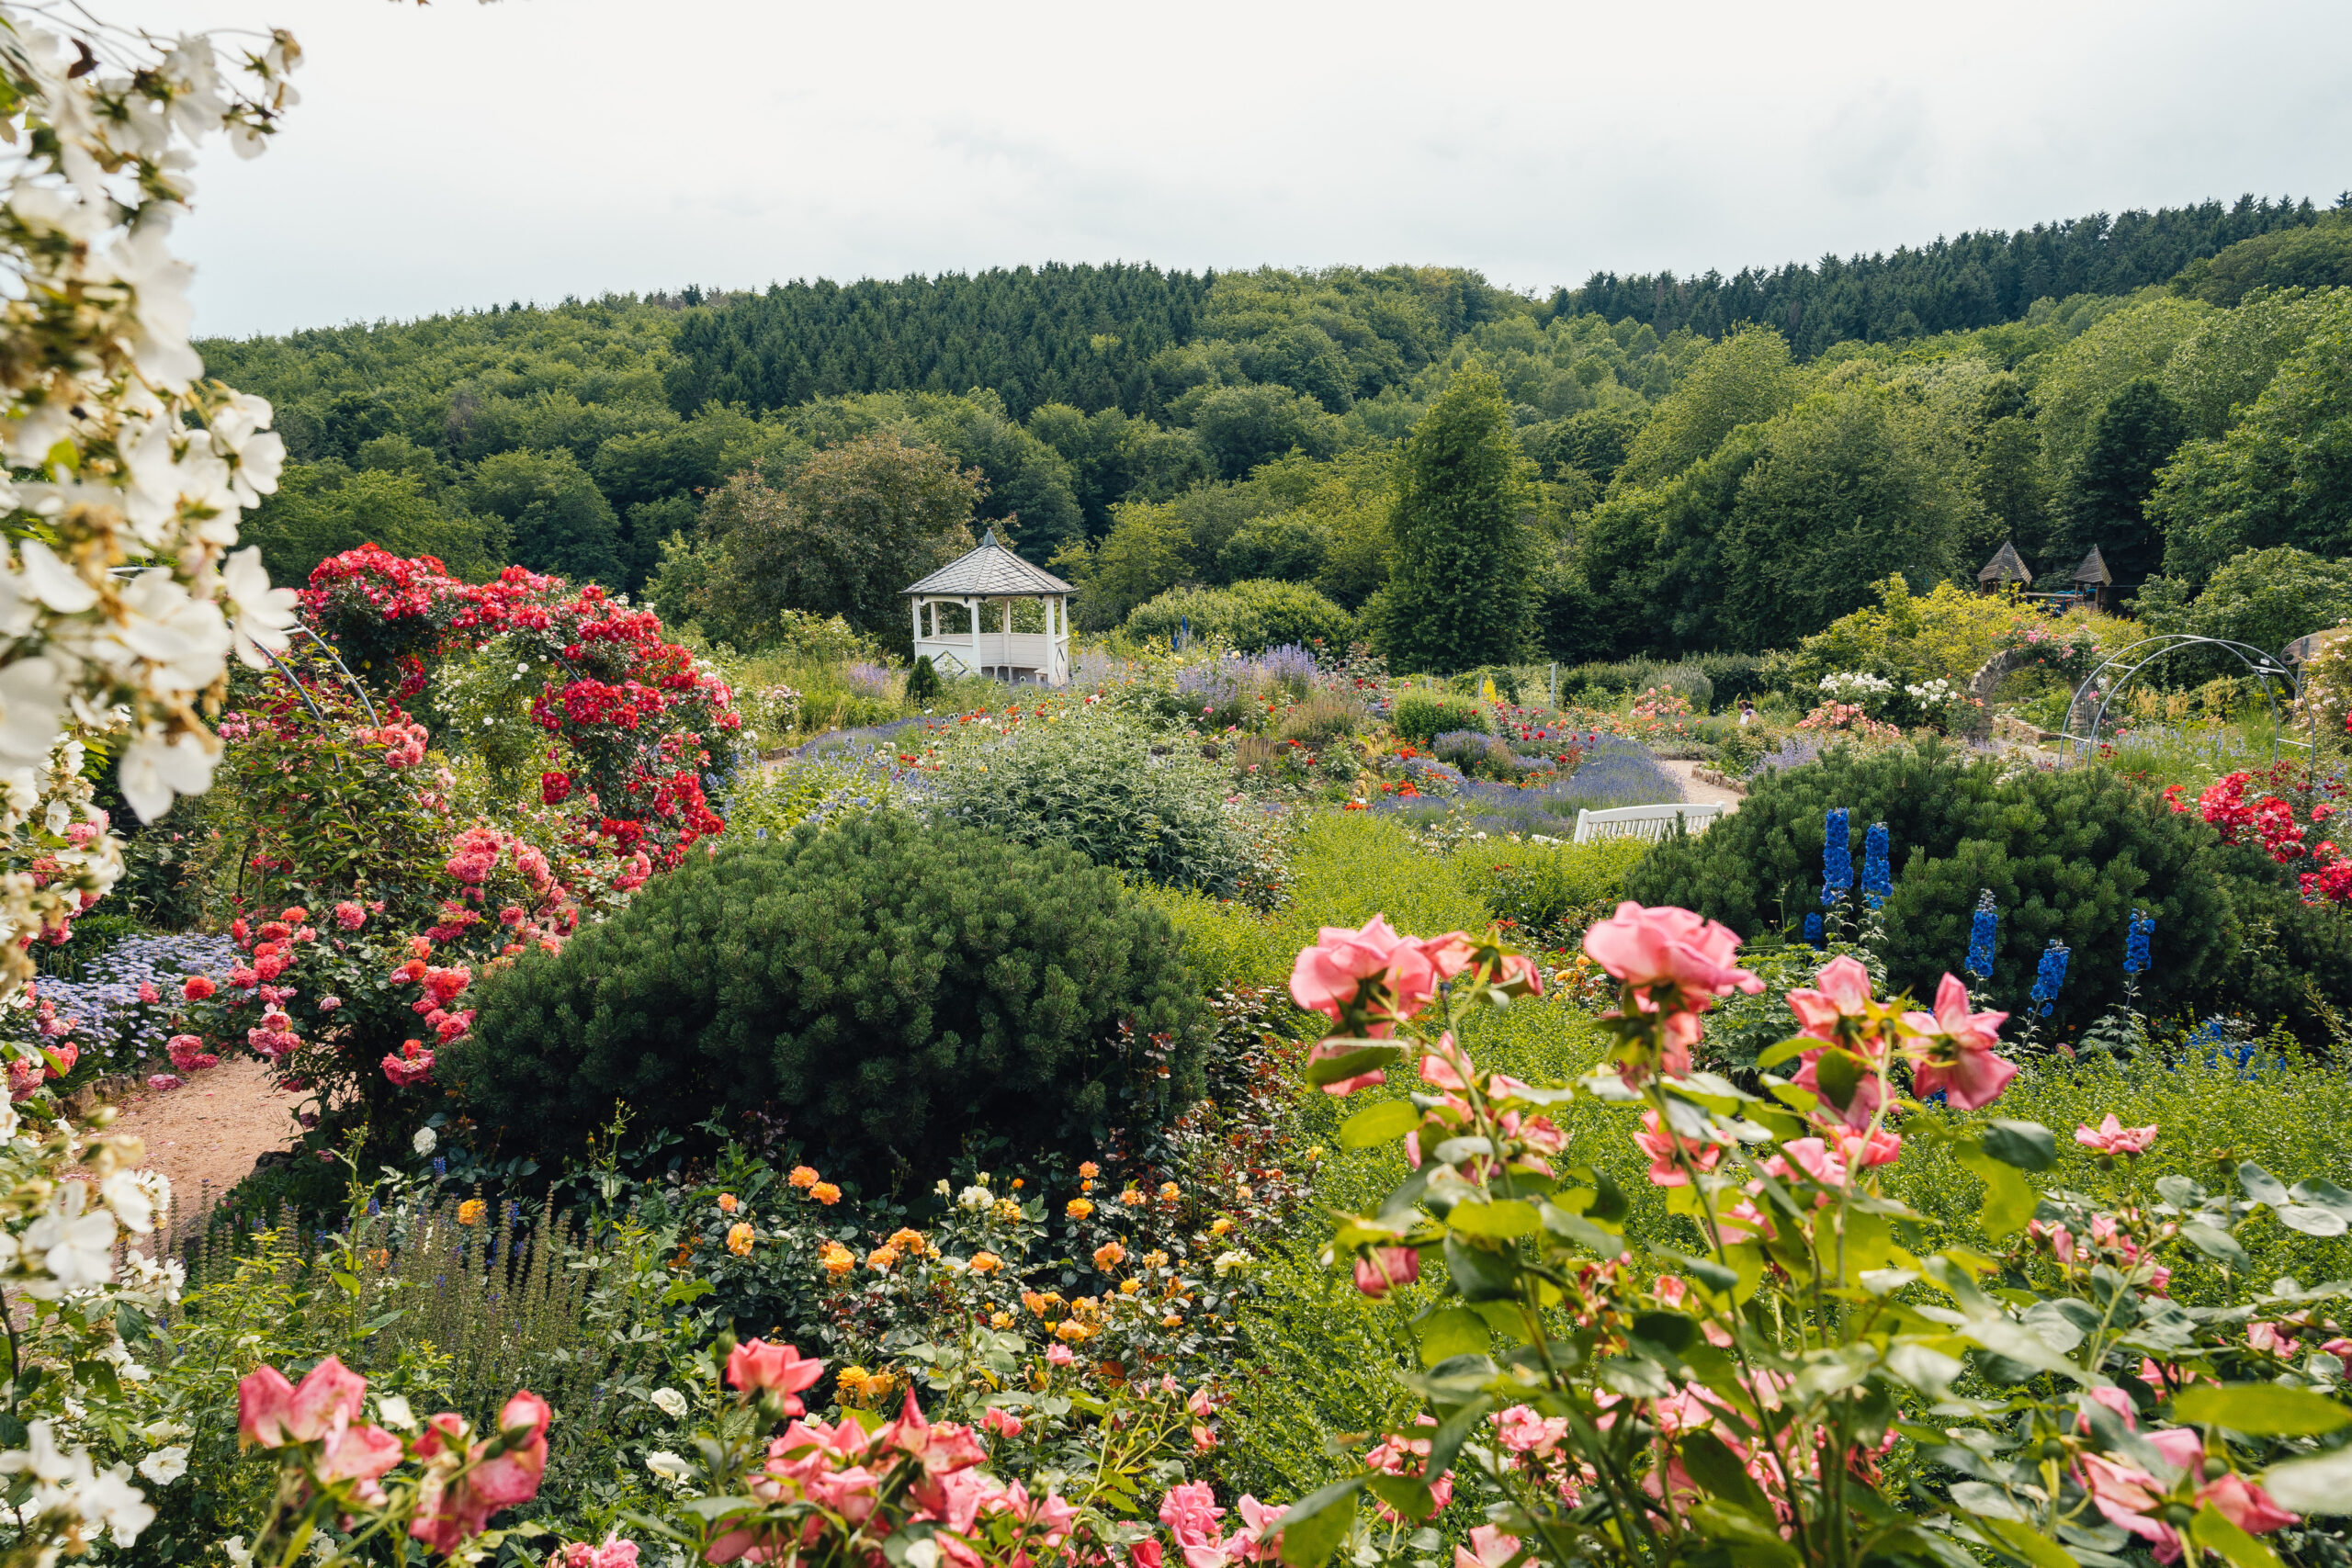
x,y
893,991
1248,616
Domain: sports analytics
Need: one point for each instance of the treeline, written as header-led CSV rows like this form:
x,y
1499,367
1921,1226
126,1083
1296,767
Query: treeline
x,y
1146,431
1979,279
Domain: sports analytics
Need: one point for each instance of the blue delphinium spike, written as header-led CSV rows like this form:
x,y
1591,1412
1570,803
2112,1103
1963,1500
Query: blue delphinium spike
x,y
1813,930
1836,857
1878,875
2135,944
2050,975
1983,932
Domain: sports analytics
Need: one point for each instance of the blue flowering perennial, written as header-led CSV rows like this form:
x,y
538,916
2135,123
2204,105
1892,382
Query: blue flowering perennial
x,y
2049,974
1878,875
1836,857
1813,930
2135,945
1983,933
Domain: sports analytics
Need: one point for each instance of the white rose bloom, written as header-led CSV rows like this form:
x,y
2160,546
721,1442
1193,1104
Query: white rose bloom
x,y
425,1141
53,581
78,1247
32,699
239,1555
109,1498
1226,1262
670,1402
164,1431
165,1465
393,1412
976,1198
669,1466
130,1199
264,614
156,768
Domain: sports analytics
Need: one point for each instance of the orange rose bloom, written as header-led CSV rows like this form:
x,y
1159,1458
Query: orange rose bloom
x,y
727,1202
1078,1209
471,1210
1108,1255
985,1263
882,1259
1172,1321
825,1192
1220,1225
1167,1192
908,1242
836,1259
1090,1169
1133,1198
738,1239
1129,1287
803,1177
1155,1258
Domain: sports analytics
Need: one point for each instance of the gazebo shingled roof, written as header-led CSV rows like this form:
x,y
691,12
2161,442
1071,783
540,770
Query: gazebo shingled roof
x,y
2007,566
989,571
2094,570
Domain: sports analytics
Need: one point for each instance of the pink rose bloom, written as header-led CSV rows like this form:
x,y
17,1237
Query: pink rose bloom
x,y
148,993
1881,1147
1811,1156
1191,1513
2266,1336
1488,1548
1384,1268
350,916
1001,1422
1259,1539
448,1516
1656,1141
1963,1065
757,1364
2112,1137
356,1451
1844,988
2130,1497
162,1083
1662,946
1857,1113
1328,976
271,1412
1059,1354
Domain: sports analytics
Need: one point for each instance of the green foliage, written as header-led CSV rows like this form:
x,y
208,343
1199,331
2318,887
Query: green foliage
x,y
1422,716
894,989
2266,598
2119,349
1100,786
923,685
2227,361
2101,500
558,521
2311,257
323,509
2065,855
2282,476
1458,595
1545,887
1744,379
1249,617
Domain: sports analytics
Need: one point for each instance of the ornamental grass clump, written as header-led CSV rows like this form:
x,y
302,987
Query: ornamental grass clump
x,y
891,989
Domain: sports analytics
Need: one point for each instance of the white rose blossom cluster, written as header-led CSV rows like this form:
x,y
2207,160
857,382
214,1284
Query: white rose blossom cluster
x,y
60,1283
119,599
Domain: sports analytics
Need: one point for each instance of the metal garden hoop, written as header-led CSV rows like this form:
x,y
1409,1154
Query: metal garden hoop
x,y
2134,657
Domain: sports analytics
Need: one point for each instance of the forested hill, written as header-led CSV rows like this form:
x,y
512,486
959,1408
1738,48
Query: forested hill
x,y
1952,285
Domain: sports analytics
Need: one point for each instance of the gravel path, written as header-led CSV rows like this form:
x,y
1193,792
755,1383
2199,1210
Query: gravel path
x,y
1697,789
206,1135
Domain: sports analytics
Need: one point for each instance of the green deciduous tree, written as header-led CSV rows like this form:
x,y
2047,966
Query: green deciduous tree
x,y
843,535
1741,380
323,509
560,521
2264,598
1460,595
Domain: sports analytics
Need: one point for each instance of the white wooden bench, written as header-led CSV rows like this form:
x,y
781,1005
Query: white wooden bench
x,y
1651,822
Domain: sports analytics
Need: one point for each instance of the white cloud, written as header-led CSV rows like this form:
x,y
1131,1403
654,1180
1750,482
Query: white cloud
x,y
458,154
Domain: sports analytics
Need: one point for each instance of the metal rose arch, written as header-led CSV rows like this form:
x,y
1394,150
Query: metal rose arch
x,y
2087,714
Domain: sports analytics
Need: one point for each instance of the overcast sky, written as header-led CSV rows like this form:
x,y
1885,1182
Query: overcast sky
x,y
460,154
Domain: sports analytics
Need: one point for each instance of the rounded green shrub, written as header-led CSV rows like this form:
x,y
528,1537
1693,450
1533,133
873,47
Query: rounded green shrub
x,y
1250,617
1422,716
1108,792
2066,855
893,991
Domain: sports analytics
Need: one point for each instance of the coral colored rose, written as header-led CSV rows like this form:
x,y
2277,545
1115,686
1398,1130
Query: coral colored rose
x,y
350,916
2112,1137
1332,974
1488,1548
1962,1064
1659,1144
1001,1422
197,988
1384,1268
449,1514
1844,987
1671,946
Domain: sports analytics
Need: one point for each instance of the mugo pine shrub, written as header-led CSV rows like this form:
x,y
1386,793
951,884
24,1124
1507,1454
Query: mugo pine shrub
x,y
2065,855
891,990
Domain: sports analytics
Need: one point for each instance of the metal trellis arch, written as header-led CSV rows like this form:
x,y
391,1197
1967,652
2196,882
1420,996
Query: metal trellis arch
x,y
2098,693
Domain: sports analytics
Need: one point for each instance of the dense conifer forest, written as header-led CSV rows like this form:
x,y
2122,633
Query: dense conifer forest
x,y
1700,463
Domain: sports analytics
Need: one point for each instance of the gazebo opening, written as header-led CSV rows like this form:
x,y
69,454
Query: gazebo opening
x,y
964,620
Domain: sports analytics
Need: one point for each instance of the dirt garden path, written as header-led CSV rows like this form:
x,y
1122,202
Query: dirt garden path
x,y
1698,790
207,1134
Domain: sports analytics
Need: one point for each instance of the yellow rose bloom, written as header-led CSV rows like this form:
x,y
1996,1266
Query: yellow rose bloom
x,y
1129,1287
471,1210
738,1239
1220,1225
1078,1208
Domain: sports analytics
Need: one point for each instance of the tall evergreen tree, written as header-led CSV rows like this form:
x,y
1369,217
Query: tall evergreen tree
x,y
1461,593
2107,491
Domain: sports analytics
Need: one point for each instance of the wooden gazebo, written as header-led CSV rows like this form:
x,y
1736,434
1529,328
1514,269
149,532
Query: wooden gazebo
x,y
2092,580
2007,569
993,575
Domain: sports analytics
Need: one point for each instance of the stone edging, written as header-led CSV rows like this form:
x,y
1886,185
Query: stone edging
x,y
1721,780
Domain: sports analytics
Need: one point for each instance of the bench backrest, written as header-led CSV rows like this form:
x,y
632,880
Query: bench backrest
x,y
1652,822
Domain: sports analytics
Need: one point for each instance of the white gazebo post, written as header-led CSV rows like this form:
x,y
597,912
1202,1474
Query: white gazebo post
x,y
990,574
